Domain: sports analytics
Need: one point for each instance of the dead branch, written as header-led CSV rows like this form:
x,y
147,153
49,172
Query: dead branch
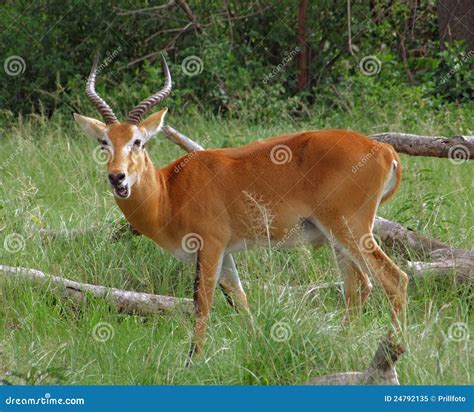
x,y
407,241
457,147
189,13
125,301
181,140
148,10
404,143
464,268
380,372
444,258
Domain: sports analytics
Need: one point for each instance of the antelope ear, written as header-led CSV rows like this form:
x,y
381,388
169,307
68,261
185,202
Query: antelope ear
x,y
153,124
94,128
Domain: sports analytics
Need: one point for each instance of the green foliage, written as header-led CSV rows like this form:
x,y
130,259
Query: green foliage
x,y
51,181
454,75
248,55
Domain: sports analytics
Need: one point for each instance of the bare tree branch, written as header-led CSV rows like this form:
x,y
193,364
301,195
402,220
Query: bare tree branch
x,y
456,147
380,372
125,301
191,16
146,10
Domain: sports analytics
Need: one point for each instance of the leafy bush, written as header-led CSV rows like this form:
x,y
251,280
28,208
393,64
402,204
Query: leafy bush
x,y
247,56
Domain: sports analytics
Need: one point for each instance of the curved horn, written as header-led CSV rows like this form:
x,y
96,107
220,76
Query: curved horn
x,y
135,116
100,104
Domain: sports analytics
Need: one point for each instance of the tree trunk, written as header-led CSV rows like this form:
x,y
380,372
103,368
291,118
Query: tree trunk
x,y
457,148
456,21
124,301
302,61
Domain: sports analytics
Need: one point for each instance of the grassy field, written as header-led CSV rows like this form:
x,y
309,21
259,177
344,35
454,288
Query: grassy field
x,y
49,179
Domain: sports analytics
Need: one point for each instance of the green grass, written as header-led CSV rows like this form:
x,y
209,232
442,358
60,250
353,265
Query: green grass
x,y
52,181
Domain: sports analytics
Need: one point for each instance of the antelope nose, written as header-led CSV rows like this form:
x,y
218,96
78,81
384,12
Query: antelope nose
x,y
116,179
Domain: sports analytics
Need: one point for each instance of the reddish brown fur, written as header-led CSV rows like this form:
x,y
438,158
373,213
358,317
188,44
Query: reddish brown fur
x,y
207,193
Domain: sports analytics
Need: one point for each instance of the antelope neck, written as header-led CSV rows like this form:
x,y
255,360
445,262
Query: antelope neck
x,y
145,209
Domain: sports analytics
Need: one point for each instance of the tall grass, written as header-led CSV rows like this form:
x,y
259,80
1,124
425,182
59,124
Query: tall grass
x,y
49,180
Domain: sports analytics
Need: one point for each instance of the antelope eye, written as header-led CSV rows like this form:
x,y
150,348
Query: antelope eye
x,y
137,143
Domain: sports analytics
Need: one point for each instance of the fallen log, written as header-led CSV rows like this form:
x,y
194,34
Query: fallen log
x,y
125,301
406,241
180,139
443,258
456,148
463,267
381,370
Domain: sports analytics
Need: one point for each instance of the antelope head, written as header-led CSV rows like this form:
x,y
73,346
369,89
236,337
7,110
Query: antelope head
x,y
124,141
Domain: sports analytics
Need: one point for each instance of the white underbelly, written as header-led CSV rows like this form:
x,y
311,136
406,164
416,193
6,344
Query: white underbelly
x,y
304,233
184,256
290,239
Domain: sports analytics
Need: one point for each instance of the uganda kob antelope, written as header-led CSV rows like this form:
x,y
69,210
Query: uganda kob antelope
x,y
320,186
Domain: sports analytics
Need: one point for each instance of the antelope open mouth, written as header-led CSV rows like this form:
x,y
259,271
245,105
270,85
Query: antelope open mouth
x,y
122,191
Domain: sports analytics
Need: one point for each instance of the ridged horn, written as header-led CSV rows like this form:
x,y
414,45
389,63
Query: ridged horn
x,y
100,104
135,116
